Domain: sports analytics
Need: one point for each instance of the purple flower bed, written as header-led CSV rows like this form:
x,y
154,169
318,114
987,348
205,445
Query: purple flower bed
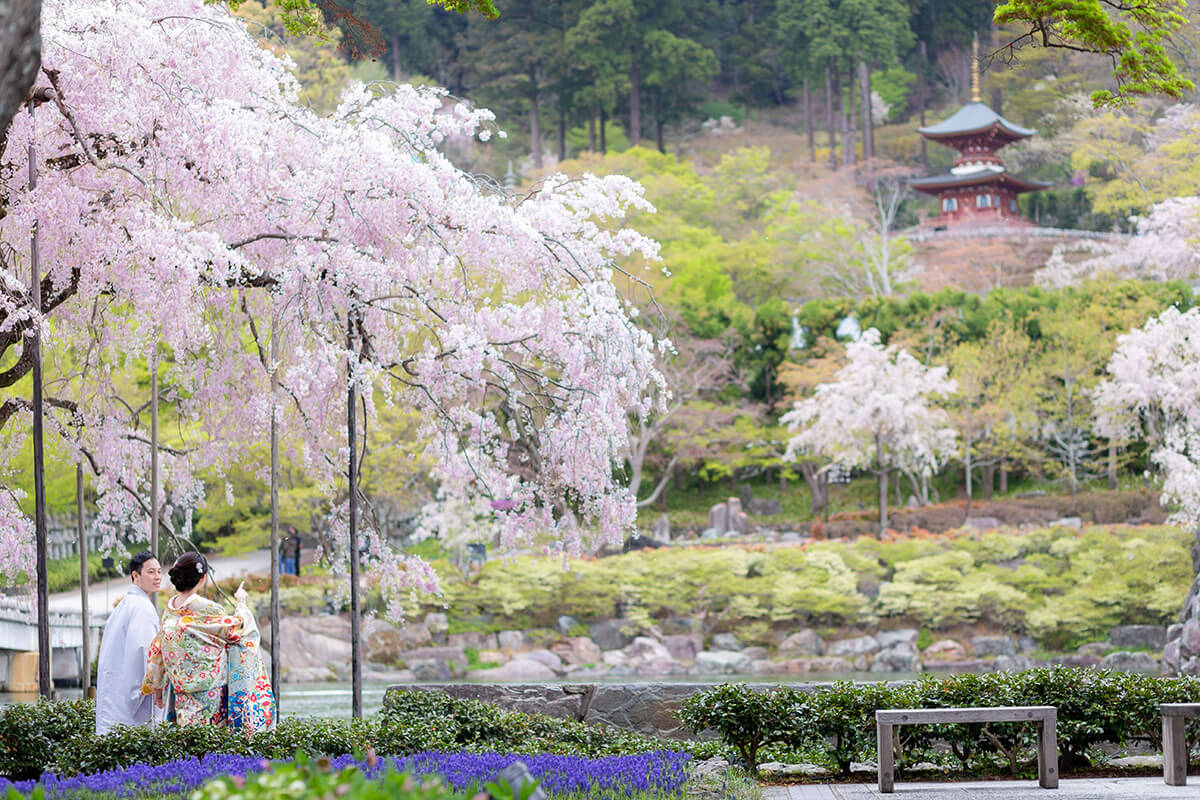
x,y
660,772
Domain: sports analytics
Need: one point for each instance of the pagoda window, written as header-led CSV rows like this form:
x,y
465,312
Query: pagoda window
x,y
1012,205
983,200
996,200
949,204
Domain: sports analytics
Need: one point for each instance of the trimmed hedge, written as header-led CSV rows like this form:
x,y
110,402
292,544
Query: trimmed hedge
x,y
60,737
837,725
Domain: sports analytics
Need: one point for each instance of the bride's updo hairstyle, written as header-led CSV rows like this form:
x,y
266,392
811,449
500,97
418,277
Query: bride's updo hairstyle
x,y
187,571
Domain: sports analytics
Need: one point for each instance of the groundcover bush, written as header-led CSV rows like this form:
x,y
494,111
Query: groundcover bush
x,y
59,737
836,725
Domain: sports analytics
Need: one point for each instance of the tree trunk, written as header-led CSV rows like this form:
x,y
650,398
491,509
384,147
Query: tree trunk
x,y
808,122
396,57
535,127
592,131
562,134
818,487
603,132
829,115
782,481
849,132
662,144
967,459
1112,464
1003,476
923,96
635,102
658,123
868,125
883,485
988,473
20,56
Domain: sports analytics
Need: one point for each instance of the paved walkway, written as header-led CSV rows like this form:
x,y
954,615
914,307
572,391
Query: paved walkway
x,y
1075,789
101,596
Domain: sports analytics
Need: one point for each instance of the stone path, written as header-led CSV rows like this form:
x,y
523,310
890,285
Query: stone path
x,y
101,596
1075,789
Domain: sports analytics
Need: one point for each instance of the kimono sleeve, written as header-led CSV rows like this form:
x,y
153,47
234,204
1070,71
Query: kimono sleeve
x,y
156,671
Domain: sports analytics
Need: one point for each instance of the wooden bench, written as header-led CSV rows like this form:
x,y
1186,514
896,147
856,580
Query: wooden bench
x,y
1175,749
1046,717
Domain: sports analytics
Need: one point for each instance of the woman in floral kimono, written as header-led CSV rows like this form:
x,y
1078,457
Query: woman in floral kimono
x,y
204,665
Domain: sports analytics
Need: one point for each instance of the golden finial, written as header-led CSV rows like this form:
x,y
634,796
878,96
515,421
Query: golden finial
x,y
975,97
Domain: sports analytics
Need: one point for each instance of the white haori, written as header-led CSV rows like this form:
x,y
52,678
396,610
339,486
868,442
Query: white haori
x,y
122,663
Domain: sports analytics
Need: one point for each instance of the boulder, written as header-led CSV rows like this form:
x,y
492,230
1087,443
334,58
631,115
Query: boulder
x,y
1075,661
763,666
889,639
306,674
720,662
858,646
681,648
1174,630
982,523
658,667
429,669
437,624
610,634
795,666
718,519
678,625
1074,523
519,669
566,623
512,640
454,657
646,649
1097,649
829,664
661,529
755,653
985,646
520,782
1012,663
734,504
766,507
740,523
545,657
614,658
901,657
383,642
1189,638
802,643
1170,656
944,650
473,639
577,650
1152,637
639,542
1124,661
725,641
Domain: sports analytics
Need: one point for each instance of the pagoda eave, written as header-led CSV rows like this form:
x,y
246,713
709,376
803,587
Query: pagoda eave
x,y
940,183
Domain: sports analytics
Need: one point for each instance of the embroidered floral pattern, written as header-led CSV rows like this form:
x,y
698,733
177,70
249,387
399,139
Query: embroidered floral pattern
x,y
207,661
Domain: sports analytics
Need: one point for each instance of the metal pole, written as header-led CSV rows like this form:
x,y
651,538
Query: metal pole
x,y
39,456
274,523
154,458
85,671
355,650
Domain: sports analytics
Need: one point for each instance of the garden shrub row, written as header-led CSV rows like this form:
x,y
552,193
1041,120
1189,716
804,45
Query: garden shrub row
x,y
60,737
1061,586
836,725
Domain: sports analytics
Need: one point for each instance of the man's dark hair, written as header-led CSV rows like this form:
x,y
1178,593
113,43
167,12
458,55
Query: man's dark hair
x,y
138,561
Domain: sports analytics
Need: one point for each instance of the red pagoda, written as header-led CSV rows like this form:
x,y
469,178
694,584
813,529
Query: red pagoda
x,y
978,190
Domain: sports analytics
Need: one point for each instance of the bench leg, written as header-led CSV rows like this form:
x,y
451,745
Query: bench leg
x,y
1047,754
883,735
1175,755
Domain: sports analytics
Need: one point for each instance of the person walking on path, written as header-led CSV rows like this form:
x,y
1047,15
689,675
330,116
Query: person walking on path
x,y
121,664
205,665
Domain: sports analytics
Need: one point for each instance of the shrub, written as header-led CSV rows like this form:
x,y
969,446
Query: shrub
x,y
1094,707
32,733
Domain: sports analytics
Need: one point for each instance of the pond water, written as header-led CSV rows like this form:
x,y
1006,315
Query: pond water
x,y
333,699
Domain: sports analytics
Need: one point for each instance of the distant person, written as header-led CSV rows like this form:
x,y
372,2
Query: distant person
x,y
121,665
289,553
204,666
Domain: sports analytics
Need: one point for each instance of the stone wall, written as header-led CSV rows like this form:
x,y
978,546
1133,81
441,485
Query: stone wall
x,y
647,708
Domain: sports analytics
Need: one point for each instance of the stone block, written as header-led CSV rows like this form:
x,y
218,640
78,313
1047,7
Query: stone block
x,y
1074,523
755,653
1152,637
718,518
1123,661
993,646
512,640
982,523
803,643
889,639
734,504
725,641
681,648
740,523
831,664
612,634
577,650
565,623
945,650
720,662
661,530
901,657
858,646
473,639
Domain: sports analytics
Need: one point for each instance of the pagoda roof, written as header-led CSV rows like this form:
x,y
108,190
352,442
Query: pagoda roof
x,y
937,183
974,117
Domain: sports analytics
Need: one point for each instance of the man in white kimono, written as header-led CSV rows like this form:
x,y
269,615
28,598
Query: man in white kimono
x,y
122,661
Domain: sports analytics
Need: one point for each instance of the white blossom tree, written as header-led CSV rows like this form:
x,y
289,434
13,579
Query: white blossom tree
x,y
1153,392
876,415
